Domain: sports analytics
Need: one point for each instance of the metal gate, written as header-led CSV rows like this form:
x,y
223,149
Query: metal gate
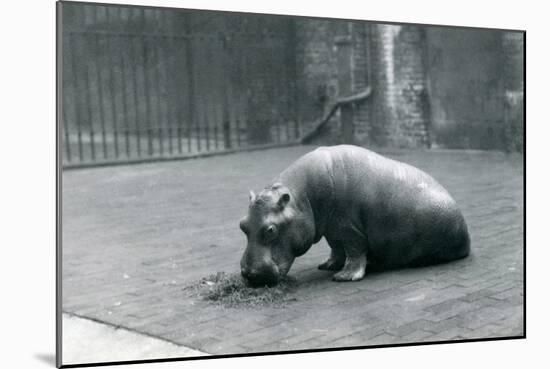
x,y
136,88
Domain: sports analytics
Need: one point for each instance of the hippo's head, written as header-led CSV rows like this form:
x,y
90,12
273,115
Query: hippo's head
x,y
276,235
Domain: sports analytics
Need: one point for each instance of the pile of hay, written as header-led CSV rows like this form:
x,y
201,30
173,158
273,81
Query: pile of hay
x,y
230,290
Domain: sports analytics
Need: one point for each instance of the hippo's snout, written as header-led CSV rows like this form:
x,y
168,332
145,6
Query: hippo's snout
x,y
259,277
258,267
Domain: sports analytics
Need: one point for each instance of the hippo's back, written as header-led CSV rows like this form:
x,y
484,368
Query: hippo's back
x,y
407,217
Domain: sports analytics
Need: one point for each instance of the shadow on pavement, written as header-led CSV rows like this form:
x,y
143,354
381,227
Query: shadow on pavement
x,y
46,358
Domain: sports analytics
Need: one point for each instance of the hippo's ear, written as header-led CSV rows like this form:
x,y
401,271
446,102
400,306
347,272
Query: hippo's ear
x,y
283,200
251,196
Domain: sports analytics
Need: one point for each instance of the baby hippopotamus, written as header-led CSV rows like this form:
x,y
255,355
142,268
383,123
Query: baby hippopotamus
x,y
371,210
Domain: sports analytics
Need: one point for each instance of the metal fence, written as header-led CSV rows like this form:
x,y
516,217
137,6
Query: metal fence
x,y
133,94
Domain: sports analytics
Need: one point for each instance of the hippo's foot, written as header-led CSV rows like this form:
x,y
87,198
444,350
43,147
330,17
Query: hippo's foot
x,y
354,270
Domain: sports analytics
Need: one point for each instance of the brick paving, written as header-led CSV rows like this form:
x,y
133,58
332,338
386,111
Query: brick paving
x,y
135,236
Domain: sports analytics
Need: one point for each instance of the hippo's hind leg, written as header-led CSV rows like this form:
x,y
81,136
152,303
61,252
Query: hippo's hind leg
x,y
355,264
337,258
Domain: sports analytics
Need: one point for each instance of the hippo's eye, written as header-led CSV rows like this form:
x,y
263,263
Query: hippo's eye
x,y
270,231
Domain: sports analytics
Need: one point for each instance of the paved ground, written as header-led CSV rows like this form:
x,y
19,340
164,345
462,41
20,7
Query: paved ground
x,y
135,236
87,341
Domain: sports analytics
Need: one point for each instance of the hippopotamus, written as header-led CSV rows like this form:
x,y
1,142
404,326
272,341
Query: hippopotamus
x,y
372,210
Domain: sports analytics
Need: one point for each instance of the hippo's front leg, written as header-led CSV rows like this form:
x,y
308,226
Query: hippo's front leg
x,y
355,265
337,259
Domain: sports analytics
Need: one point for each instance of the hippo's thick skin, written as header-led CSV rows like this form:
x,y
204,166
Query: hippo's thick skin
x,y
371,210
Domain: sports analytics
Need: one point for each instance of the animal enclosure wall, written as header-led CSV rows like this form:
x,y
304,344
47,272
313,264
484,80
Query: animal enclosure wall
x,y
467,87
431,86
142,83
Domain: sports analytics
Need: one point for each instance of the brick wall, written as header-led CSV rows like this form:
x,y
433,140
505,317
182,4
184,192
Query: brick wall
x,y
361,72
431,86
317,74
400,104
398,112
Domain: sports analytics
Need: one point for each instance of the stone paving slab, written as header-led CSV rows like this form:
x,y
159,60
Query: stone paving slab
x,y
135,236
86,341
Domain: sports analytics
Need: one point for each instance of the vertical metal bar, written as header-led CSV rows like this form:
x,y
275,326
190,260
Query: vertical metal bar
x,y
369,54
134,72
200,104
165,96
215,97
155,64
207,85
111,77
65,128
236,98
226,60
147,96
120,67
287,128
190,80
250,115
200,115
220,96
88,96
291,48
77,94
65,84
216,136
207,127
278,129
98,67
214,92
123,72
62,83
97,63
288,82
172,79
168,101
190,92
275,90
238,129
241,114
178,93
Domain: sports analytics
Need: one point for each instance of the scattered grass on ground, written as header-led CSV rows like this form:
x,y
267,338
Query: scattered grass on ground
x,y
230,290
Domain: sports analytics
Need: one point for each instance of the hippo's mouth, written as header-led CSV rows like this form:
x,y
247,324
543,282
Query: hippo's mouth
x,y
260,277
269,279
267,274
256,283
273,279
